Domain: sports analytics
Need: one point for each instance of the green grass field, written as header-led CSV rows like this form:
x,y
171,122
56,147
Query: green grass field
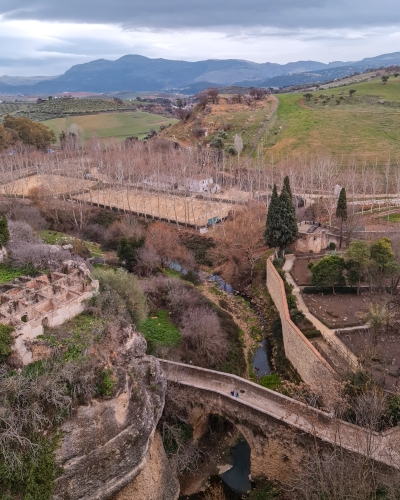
x,y
365,129
120,125
392,217
159,329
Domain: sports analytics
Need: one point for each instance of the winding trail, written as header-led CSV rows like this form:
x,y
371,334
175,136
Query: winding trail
x,y
267,118
327,334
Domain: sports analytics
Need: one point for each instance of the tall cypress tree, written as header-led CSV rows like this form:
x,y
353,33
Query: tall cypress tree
x,y
289,230
4,233
272,225
286,184
341,212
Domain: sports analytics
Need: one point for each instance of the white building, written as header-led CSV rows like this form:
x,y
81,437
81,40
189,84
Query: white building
x,y
199,183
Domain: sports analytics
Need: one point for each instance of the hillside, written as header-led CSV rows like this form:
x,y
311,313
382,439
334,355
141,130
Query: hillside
x,y
366,125
138,73
222,121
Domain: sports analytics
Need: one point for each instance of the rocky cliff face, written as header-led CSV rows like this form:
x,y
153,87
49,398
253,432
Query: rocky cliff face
x,y
156,480
106,444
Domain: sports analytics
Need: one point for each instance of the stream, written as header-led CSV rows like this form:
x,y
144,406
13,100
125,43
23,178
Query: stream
x,y
261,364
236,480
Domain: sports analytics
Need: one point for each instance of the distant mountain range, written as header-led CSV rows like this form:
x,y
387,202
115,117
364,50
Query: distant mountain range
x,y
138,73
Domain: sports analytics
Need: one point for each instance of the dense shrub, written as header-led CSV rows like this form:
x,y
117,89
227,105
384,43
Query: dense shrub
x,y
127,250
6,341
328,290
196,316
291,301
199,245
147,261
29,214
118,230
202,335
40,256
270,381
296,316
122,290
94,232
20,230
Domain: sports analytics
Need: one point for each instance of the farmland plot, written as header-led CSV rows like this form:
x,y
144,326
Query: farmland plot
x,y
180,209
47,185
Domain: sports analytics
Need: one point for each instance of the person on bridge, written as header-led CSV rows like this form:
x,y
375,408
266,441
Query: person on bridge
x,y
237,394
232,393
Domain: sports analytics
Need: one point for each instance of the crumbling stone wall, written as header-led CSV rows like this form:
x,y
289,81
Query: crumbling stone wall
x,y
311,366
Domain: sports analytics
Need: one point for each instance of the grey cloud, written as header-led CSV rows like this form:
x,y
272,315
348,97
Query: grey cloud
x,y
179,14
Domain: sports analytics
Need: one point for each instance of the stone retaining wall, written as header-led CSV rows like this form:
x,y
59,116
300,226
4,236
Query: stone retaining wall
x,y
311,366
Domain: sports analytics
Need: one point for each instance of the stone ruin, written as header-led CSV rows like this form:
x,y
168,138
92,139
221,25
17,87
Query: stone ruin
x,y
30,304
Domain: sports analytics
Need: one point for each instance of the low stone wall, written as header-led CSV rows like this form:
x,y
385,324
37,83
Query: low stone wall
x,y
311,366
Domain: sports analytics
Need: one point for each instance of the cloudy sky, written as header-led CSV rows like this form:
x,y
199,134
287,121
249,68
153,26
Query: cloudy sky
x,y
46,37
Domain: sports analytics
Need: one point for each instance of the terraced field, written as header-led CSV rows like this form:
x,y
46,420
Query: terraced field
x,y
120,125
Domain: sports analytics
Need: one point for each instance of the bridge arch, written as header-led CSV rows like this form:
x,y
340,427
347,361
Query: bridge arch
x,y
281,432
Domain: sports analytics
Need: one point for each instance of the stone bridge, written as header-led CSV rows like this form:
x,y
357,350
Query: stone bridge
x,y
279,430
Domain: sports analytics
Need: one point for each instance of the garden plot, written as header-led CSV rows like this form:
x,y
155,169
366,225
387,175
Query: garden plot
x,y
47,185
300,272
172,208
341,310
380,357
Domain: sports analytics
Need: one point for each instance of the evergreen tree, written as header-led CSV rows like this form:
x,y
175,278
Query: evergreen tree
x,y
288,230
4,233
127,250
272,225
341,212
286,184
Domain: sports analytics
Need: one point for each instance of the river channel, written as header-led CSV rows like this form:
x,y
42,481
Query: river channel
x,y
236,480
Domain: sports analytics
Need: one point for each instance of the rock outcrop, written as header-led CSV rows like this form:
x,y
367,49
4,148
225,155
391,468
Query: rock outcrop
x,y
108,443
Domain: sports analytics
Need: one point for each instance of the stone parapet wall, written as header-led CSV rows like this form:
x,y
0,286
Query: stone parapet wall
x,y
310,365
281,431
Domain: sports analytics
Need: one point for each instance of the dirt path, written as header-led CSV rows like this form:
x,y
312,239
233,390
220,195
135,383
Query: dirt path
x,y
328,334
268,117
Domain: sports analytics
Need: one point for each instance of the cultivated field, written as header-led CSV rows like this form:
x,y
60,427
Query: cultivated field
x,y
9,108
360,126
189,210
120,125
46,185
